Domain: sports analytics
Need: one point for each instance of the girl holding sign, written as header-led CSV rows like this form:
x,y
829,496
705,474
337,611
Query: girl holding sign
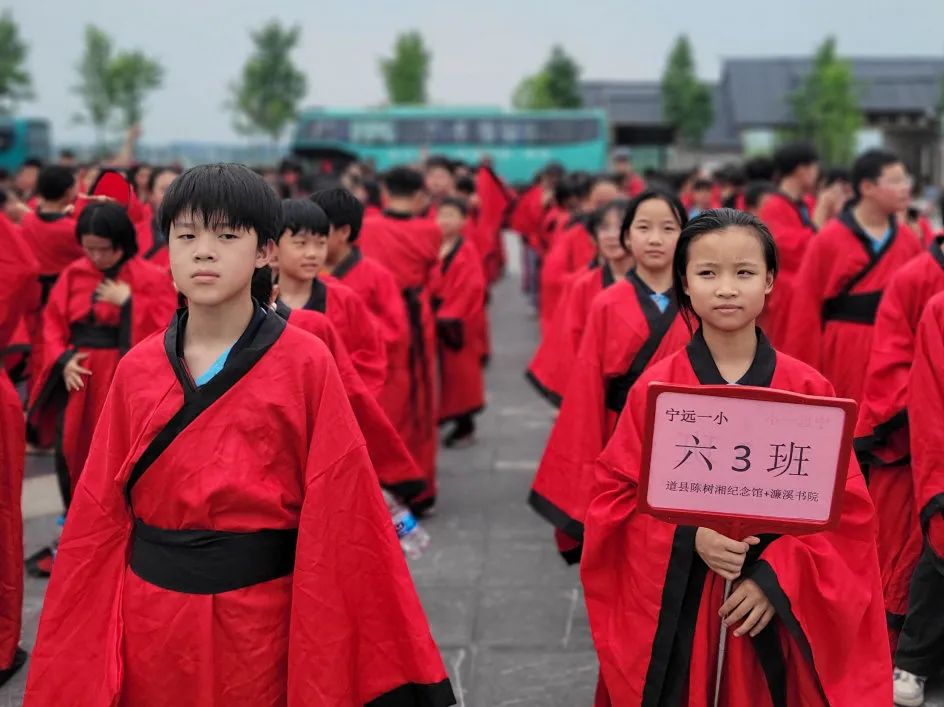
x,y
806,611
628,326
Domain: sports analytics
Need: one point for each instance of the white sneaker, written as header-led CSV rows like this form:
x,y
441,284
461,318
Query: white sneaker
x,y
909,689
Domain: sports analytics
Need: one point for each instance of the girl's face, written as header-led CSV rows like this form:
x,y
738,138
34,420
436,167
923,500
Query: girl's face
x,y
727,278
101,251
653,235
608,236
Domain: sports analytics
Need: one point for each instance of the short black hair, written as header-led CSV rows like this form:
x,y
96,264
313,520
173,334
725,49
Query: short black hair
x,y
157,172
108,219
703,185
869,167
440,161
341,208
582,184
289,164
32,162
465,185
224,194
54,181
261,287
760,168
836,174
672,201
402,181
304,215
455,202
789,158
712,221
373,192
756,191
66,153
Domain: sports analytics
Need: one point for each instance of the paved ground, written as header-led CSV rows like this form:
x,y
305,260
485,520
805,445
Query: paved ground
x,y
507,613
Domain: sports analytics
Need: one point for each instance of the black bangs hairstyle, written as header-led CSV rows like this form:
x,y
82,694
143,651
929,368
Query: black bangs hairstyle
x,y
303,215
674,203
712,221
597,217
341,208
108,219
54,181
789,158
261,287
224,196
402,181
456,203
869,167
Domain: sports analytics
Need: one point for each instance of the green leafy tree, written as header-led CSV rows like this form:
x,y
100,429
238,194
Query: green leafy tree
x,y
826,106
686,101
94,86
407,71
15,82
132,76
267,95
556,85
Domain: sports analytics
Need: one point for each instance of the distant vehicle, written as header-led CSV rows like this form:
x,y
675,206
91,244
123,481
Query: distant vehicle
x,y
518,143
22,139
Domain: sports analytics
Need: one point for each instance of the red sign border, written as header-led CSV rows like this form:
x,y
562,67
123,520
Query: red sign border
x,y
746,524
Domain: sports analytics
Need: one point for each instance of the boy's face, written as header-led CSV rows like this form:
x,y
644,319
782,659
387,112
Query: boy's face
x,y
702,198
891,191
439,182
337,241
302,255
450,220
212,265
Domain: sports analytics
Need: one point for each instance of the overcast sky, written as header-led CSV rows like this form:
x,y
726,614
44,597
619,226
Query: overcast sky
x,y
480,48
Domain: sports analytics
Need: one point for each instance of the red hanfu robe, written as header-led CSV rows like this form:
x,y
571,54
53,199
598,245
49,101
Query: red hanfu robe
x,y
357,327
551,366
925,408
836,296
792,229
882,435
229,545
409,248
653,603
527,213
18,272
458,298
572,250
390,458
75,321
625,333
484,227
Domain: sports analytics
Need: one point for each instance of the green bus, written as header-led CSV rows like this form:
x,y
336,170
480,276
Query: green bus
x,y
518,143
22,139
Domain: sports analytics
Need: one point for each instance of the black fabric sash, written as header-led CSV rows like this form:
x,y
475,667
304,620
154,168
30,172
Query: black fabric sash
x,y
617,389
45,285
414,694
419,366
859,308
346,265
210,561
93,336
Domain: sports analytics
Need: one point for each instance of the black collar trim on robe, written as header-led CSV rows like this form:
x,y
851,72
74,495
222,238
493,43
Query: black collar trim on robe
x,y
760,374
607,274
50,216
348,264
283,310
318,302
935,250
398,215
451,255
263,331
800,206
848,219
582,219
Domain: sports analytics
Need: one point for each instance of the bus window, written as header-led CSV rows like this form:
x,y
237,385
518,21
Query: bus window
x,y
488,132
373,132
336,130
7,138
37,141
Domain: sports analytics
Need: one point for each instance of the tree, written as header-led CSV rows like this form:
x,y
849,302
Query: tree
x,y
131,77
267,95
95,81
826,106
15,82
406,72
556,85
686,101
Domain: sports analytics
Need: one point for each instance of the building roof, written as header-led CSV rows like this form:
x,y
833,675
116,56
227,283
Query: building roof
x,y
756,93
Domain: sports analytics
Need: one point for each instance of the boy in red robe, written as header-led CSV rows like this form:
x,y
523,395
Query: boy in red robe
x,y
921,644
301,249
882,435
229,543
409,247
18,270
458,294
844,272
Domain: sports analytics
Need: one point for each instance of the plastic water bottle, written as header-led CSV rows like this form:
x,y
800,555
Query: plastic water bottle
x,y
413,537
